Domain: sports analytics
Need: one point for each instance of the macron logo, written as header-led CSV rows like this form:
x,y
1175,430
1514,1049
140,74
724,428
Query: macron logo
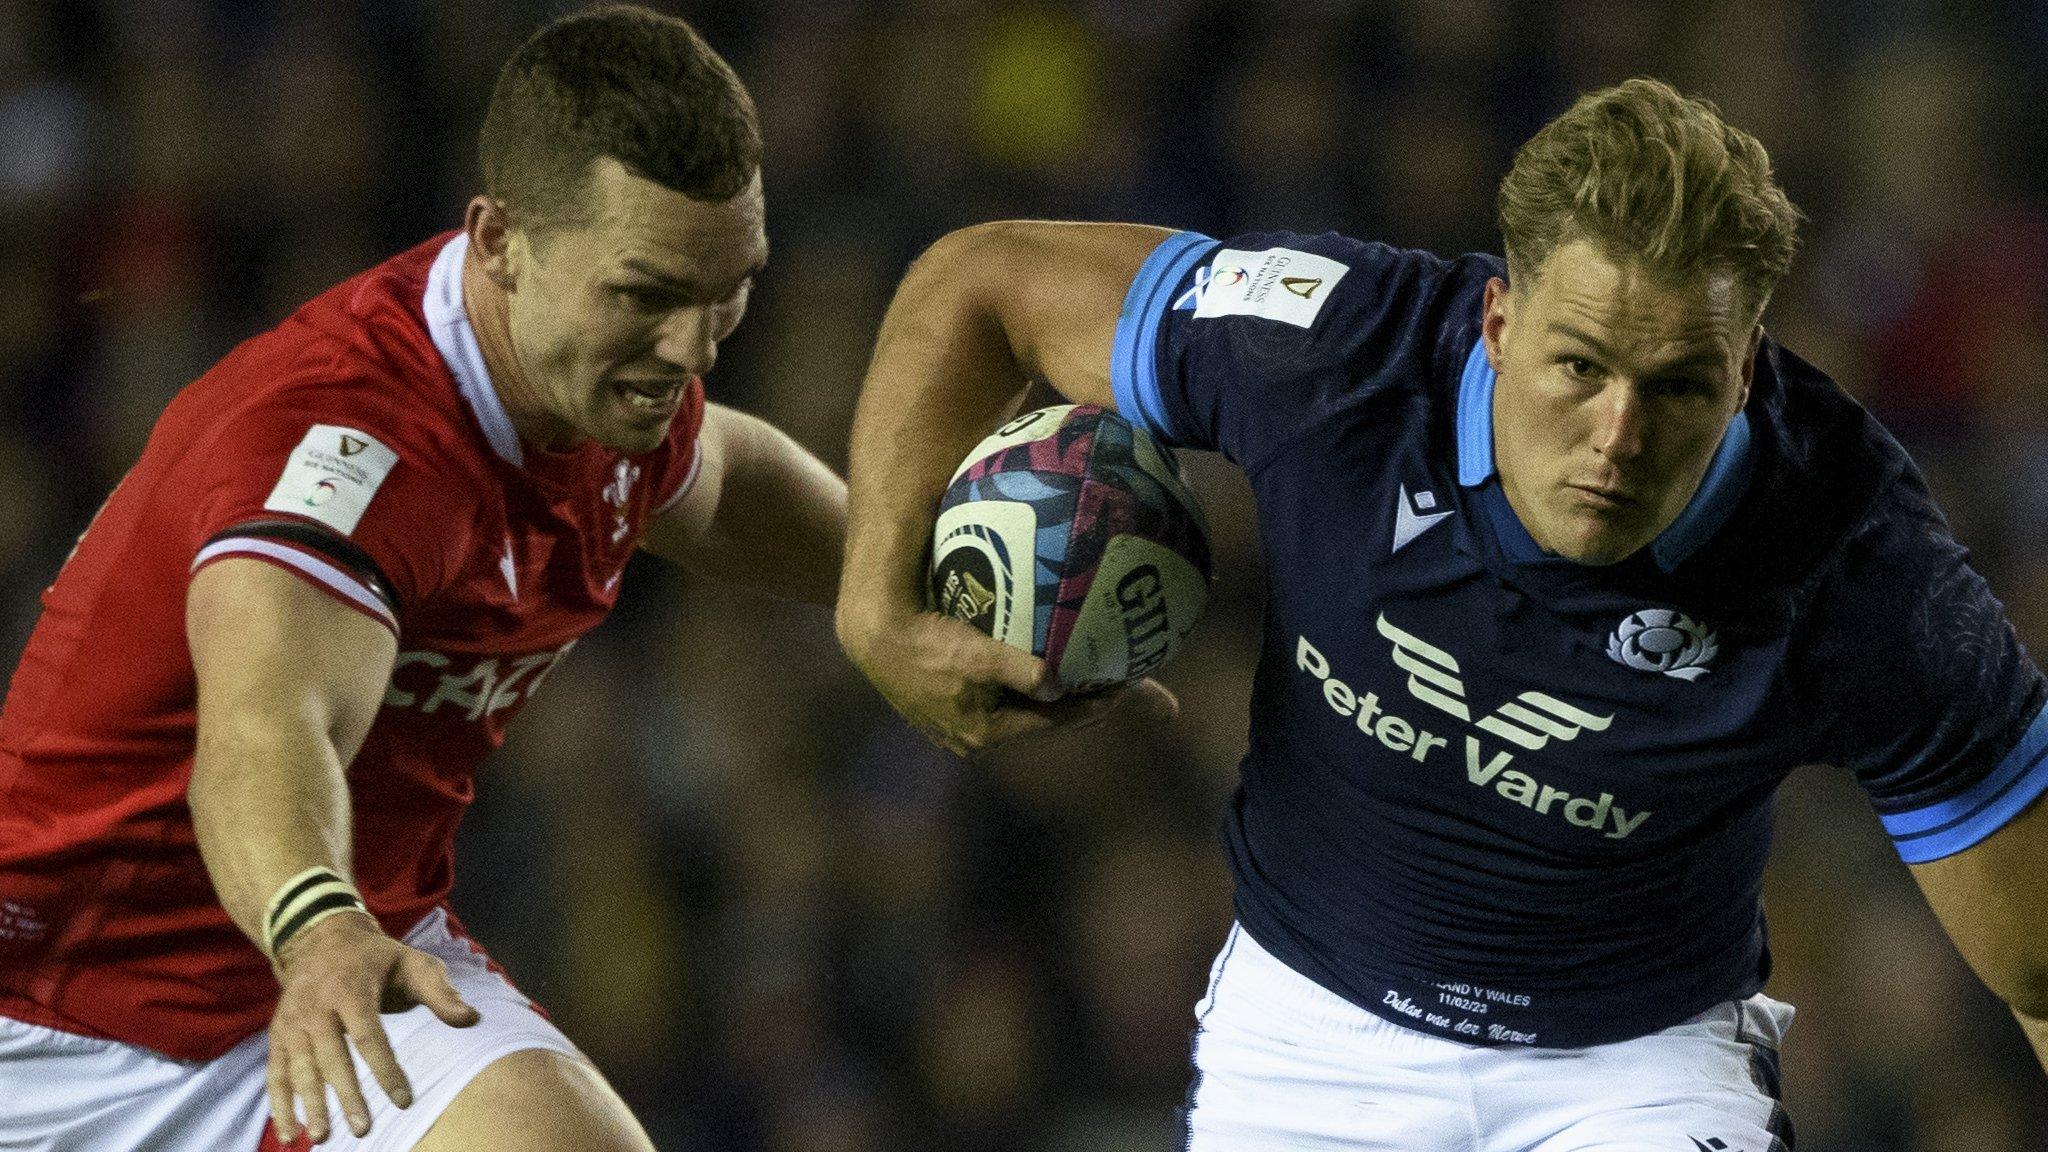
x,y
1414,515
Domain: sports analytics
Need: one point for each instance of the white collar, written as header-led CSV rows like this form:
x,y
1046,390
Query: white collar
x,y
448,325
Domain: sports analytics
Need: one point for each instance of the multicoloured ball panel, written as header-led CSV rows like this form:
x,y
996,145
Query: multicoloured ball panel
x,y
1071,534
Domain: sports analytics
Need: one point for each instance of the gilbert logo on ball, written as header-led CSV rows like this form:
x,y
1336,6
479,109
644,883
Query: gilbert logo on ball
x,y
1070,534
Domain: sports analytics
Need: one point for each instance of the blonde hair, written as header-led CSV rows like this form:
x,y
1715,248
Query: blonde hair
x,y
1648,174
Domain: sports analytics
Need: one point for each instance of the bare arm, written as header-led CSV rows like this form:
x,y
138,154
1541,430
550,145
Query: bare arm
x,y
1988,899
762,512
280,714
289,684
982,313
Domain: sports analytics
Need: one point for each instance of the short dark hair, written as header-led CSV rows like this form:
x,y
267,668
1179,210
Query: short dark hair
x,y
620,81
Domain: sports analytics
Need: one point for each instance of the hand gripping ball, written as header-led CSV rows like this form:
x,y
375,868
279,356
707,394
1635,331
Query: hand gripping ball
x,y
1070,533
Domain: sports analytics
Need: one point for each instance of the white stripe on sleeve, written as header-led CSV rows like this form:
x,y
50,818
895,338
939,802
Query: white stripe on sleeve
x,y
313,567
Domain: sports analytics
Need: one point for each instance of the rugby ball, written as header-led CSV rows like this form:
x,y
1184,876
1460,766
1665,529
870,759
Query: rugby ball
x,y
1070,533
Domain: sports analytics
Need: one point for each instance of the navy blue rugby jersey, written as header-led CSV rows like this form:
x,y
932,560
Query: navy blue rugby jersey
x,y
1500,797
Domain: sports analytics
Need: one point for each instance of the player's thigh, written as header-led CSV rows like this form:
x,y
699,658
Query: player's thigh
x,y
537,1100
511,1053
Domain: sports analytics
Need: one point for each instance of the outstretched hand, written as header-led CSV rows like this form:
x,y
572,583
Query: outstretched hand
x,y
336,977
967,691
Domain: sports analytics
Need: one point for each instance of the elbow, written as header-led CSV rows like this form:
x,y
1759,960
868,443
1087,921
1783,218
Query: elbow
x,y
962,244
862,622
980,279
949,257
975,255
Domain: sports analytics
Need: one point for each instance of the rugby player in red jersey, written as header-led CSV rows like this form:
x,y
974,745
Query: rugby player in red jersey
x,y
235,752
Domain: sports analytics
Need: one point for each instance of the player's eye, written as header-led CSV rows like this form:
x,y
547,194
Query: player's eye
x,y
641,298
1579,367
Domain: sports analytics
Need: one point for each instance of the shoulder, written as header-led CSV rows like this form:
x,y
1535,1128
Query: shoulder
x,y
1827,482
358,356
370,328
1329,299
345,416
1838,473
1891,589
1287,275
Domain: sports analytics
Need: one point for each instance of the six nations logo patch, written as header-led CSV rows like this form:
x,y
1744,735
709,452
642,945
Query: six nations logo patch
x,y
1660,640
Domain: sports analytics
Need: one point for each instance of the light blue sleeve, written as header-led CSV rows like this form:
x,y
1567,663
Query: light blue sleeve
x,y
1134,359
1950,826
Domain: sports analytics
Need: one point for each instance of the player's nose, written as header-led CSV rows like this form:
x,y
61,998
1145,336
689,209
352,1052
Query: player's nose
x,y
1619,428
688,340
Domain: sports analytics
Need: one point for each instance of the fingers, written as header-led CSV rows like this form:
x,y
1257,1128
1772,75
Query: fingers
x,y
1022,721
1015,722
1020,671
1146,699
425,979
308,1091
330,996
331,1060
279,1077
1076,712
958,653
962,689
1141,698
304,1064
367,1031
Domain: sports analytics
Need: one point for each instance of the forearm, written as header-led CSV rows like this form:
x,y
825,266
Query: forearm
x,y
290,681
943,375
269,800
781,519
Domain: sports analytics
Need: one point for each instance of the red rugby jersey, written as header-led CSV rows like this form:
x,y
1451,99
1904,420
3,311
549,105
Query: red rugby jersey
x,y
361,446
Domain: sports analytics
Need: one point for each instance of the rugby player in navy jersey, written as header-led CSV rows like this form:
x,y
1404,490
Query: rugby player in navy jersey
x,y
1568,566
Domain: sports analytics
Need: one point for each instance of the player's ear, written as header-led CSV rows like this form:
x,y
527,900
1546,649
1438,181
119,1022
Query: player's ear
x,y
1493,324
1756,344
490,237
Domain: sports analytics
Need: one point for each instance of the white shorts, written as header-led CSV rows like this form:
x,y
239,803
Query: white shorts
x,y
65,1093
1284,1065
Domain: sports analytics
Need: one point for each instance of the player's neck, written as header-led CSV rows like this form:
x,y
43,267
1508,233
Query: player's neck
x,y
490,318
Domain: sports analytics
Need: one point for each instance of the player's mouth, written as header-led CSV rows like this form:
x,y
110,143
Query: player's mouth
x,y
1603,498
651,397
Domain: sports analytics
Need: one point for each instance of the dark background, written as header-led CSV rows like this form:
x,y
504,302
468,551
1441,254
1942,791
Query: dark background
x,y
774,916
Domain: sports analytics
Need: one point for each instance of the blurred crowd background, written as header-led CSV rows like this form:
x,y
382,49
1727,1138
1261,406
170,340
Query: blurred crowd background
x,y
778,919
